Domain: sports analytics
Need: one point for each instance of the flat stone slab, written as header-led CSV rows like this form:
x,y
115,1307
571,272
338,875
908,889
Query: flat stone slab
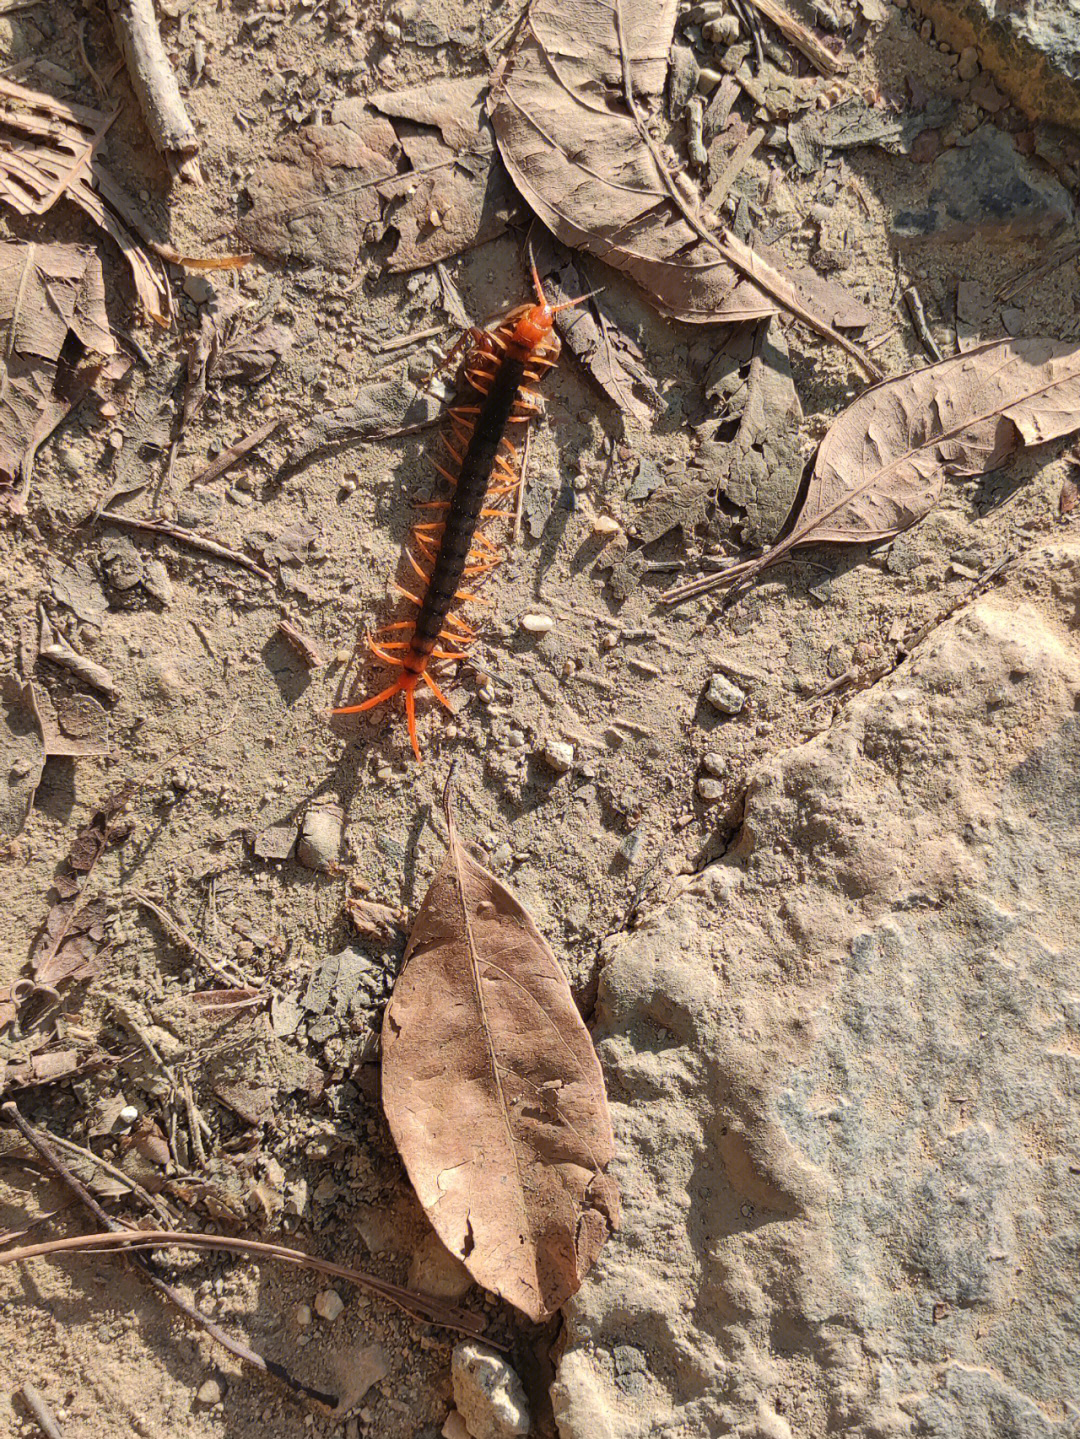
x,y
1031,47
843,1067
987,189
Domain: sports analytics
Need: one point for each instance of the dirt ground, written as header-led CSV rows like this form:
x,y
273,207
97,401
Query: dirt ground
x,y
225,730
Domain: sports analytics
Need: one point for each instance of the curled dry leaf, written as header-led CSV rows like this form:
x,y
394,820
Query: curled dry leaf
x,y
52,318
457,195
494,1093
566,107
883,463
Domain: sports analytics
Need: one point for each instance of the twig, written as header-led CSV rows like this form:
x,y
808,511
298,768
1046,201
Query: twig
x,y
54,647
804,40
99,83
417,1306
155,85
302,643
402,342
914,303
735,251
40,1410
730,173
118,1234
158,1206
519,505
1039,272
180,936
229,457
187,537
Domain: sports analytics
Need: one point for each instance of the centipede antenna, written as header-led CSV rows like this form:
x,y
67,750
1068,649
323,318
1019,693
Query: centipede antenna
x,y
569,304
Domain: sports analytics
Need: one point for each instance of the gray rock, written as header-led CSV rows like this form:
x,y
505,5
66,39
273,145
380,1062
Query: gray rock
x,y
841,1071
488,1393
1031,47
329,1305
320,837
988,189
724,696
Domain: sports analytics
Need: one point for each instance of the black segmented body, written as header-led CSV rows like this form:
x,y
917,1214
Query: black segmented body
x,y
470,492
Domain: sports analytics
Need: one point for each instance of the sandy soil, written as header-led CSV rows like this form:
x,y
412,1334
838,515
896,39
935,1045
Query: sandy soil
x,y
225,729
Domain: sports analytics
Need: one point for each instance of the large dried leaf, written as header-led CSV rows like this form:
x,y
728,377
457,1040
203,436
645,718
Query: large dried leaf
x,y
494,1093
884,462
318,198
460,196
567,109
52,315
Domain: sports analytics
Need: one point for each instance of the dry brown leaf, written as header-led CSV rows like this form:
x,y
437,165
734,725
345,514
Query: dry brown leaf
x,y
462,197
375,920
609,354
566,107
494,1093
52,316
318,198
884,461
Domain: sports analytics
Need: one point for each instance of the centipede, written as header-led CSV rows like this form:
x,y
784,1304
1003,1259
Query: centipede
x,y
477,456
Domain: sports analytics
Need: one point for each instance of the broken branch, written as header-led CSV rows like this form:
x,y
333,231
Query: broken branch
x,y
155,85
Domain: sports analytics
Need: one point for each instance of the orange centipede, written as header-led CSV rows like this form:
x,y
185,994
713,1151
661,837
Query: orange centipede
x,y
482,464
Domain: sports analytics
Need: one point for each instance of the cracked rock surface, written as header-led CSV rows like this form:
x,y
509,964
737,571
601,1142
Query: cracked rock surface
x,y
843,1067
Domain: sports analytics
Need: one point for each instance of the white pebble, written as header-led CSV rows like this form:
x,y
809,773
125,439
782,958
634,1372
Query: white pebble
x,y
606,525
537,624
128,1114
329,1305
211,1392
302,1316
710,790
724,696
558,755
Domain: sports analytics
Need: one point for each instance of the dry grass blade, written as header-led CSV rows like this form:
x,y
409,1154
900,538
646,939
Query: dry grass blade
x,y
566,107
494,1093
418,1306
883,463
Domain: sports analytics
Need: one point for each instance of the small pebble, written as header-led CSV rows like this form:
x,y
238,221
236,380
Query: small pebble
x,y
116,439
488,1393
708,81
537,624
329,1305
606,525
724,696
320,837
211,1392
128,1114
198,287
558,755
724,31
968,65
302,1316
714,763
710,789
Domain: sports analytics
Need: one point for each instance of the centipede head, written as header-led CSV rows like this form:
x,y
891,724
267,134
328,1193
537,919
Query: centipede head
x,y
535,324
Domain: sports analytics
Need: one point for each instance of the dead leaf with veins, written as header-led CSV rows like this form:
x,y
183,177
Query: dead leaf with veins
x,y
571,105
884,461
494,1093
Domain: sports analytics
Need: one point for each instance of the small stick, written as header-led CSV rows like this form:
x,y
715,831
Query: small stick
x,y
402,342
196,542
180,936
40,1410
229,457
155,85
151,1202
116,1232
302,643
519,506
417,1306
730,173
914,303
53,647
804,40
1024,282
